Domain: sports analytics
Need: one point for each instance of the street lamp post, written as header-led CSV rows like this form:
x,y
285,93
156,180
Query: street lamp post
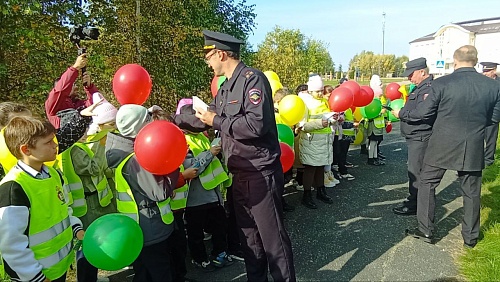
x,y
383,33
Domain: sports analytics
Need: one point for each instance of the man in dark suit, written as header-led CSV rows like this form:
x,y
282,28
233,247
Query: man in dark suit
x,y
491,131
462,104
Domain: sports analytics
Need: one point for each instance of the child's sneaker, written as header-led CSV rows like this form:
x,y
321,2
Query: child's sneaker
x,y
222,260
206,266
348,176
328,181
237,256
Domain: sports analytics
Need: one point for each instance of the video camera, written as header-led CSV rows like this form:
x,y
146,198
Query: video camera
x,y
78,33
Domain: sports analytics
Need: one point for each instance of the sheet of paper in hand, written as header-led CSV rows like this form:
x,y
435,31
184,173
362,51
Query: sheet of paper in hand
x,y
199,105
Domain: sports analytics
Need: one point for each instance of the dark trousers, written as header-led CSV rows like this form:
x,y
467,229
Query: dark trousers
x,y
211,218
490,138
177,244
233,237
470,188
61,279
85,272
153,263
340,149
416,152
259,214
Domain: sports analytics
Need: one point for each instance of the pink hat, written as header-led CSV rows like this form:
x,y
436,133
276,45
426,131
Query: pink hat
x,y
183,102
105,112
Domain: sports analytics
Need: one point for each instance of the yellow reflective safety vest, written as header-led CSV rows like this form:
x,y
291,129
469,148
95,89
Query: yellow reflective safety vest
x,y
179,197
50,233
317,114
349,117
214,174
75,184
125,202
379,121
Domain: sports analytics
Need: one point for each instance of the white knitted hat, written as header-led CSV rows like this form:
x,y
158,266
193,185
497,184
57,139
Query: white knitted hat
x,y
315,83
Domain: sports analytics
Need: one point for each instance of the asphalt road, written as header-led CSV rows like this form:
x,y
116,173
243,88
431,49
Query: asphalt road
x,y
358,237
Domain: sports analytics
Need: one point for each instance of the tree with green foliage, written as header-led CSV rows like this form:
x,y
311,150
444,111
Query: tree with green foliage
x,y
369,64
292,56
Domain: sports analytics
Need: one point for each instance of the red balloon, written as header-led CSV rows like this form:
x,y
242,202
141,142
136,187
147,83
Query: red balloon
x,y
287,156
160,147
353,108
132,84
353,86
388,128
392,91
341,99
213,86
364,97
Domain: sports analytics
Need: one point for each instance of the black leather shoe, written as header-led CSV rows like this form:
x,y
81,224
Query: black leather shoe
x,y
375,162
416,233
308,201
404,210
323,196
469,246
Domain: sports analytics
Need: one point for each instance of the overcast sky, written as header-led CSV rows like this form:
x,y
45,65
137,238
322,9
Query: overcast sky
x,y
348,27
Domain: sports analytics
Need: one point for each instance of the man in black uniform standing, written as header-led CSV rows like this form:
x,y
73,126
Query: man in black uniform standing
x,y
491,132
416,132
243,113
463,104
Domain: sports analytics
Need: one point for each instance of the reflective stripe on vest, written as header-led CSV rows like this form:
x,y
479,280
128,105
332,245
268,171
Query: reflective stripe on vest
x,y
317,114
74,184
125,201
49,232
214,174
379,122
179,196
101,182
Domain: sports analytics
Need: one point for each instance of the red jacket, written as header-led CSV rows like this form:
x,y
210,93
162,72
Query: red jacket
x,y
59,99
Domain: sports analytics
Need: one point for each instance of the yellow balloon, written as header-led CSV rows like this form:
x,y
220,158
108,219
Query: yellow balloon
x,y
357,114
359,138
291,109
403,90
275,86
271,75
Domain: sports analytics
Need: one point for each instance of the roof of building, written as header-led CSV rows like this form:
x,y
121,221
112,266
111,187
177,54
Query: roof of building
x,y
480,26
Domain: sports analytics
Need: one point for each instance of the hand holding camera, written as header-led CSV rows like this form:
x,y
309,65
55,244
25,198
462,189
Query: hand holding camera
x,y
81,61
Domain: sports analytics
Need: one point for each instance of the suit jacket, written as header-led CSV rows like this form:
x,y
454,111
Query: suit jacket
x,y
463,104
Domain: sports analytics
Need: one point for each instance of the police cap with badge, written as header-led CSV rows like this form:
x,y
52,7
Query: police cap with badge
x,y
221,41
489,66
413,65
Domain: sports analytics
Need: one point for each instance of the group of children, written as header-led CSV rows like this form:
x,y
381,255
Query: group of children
x,y
60,180
322,141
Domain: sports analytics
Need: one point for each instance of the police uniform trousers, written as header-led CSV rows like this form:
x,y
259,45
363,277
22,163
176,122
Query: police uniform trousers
x,y
259,214
470,188
416,151
490,138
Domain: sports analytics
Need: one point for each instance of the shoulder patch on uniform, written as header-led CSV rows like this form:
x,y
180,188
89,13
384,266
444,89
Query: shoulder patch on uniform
x,y
255,96
248,74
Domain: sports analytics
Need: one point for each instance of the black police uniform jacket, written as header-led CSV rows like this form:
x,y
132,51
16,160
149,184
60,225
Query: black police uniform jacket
x,y
245,119
463,104
416,128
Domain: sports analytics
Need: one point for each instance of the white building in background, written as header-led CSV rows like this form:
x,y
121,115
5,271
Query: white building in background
x,y
438,47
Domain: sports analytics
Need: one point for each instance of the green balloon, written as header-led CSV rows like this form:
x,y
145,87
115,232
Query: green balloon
x,y
395,105
411,87
372,110
113,242
220,80
285,134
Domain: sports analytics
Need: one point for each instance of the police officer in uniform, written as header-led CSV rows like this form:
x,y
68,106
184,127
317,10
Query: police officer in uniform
x,y
416,132
243,113
491,132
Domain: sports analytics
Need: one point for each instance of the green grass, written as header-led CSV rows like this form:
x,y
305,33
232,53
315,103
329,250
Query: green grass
x,y
483,262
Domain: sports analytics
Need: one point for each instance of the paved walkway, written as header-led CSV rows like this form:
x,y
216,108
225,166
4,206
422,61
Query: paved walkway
x,y
359,238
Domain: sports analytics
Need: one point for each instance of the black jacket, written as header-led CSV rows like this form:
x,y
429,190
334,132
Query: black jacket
x,y
463,104
245,119
416,129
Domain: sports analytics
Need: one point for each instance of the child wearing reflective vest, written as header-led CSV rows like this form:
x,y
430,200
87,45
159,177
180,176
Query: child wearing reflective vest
x,y
36,224
87,173
205,204
142,196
